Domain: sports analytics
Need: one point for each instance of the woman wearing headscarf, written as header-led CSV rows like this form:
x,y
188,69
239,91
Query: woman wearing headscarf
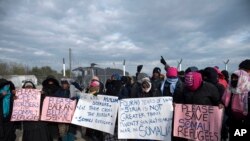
x,y
221,78
114,85
199,92
142,87
239,105
211,75
226,75
156,81
7,128
50,87
94,89
172,86
66,131
35,130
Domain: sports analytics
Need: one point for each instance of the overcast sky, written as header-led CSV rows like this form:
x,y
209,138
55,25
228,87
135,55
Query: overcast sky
x,y
203,33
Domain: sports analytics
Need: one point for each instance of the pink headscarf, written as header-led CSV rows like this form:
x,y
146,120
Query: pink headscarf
x,y
172,72
94,84
242,89
193,80
222,80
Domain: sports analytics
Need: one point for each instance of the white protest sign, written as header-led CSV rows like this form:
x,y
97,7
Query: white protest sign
x,y
96,112
145,118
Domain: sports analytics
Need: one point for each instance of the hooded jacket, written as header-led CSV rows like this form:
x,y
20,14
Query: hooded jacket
x,y
210,75
3,119
48,89
200,92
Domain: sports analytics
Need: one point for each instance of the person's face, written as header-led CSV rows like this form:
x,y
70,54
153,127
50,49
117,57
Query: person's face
x,y
28,87
156,75
65,86
50,82
145,85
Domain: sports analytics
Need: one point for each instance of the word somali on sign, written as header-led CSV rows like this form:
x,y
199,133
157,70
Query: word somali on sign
x,y
145,118
58,109
197,122
96,112
26,106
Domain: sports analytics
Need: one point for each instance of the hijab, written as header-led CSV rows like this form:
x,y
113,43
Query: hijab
x,y
193,80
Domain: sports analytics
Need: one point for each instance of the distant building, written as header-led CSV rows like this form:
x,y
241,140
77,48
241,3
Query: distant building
x,y
86,74
19,80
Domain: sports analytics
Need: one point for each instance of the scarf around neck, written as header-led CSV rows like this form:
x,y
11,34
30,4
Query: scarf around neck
x,y
173,82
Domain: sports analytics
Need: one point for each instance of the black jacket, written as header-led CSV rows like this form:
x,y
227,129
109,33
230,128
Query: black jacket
x,y
178,93
206,94
113,87
156,85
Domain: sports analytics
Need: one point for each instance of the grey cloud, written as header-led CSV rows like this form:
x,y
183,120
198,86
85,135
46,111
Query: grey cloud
x,y
201,32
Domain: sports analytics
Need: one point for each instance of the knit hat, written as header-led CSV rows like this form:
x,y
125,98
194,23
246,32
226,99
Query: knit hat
x,y
157,70
172,72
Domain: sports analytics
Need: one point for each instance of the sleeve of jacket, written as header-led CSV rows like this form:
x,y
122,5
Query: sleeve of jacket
x,y
214,95
178,96
134,91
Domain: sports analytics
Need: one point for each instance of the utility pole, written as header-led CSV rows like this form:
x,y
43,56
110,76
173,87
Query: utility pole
x,y
64,68
124,68
179,65
226,63
70,63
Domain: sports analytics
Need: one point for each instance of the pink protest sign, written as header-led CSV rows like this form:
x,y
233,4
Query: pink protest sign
x,y
197,122
58,109
26,106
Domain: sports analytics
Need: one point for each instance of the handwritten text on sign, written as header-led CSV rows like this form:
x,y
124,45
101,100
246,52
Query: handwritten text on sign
x,y
96,112
145,118
197,122
27,105
58,109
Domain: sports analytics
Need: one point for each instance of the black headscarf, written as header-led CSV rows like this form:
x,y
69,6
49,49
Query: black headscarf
x,y
33,86
49,89
210,75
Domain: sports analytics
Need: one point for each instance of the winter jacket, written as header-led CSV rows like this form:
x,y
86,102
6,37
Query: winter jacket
x,y
206,94
178,93
136,91
156,84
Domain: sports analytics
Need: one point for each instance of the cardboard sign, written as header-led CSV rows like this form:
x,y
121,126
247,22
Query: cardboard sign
x,y
96,112
26,106
145,118
198,122
58,109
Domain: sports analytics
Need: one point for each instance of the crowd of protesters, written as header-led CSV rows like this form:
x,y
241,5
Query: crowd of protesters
x,y
208,86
